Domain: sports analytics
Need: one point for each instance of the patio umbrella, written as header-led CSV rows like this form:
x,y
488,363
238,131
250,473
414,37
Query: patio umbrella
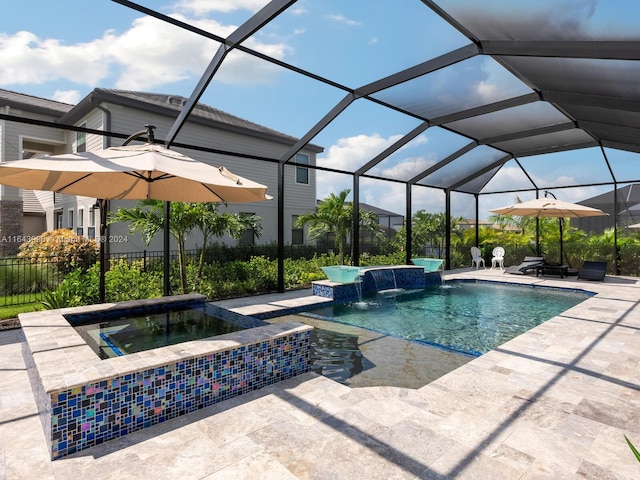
x,y
549,207
132,172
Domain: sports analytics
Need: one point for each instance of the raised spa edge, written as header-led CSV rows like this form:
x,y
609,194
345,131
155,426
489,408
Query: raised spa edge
x,y
84,400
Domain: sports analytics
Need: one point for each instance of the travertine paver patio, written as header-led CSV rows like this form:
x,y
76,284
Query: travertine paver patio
x,y
553,403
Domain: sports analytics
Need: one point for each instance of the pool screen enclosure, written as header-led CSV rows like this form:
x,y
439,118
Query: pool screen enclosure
x,y
567,82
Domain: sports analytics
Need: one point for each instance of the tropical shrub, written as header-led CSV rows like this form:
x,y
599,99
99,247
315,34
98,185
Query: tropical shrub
x,y
63,248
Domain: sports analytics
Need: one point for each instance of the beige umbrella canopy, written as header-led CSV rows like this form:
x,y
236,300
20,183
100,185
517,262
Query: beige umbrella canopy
x,y
549,207
132,172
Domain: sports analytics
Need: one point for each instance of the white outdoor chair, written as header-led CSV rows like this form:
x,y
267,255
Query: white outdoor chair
x,y
476,258
498,258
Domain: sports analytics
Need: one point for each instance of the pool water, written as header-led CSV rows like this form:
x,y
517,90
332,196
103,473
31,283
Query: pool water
x,y
465,317
117,337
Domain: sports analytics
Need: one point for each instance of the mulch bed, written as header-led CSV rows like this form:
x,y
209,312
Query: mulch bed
x,y
9,324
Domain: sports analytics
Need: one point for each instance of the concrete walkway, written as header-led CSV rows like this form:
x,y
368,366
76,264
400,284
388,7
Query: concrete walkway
x,y
554,403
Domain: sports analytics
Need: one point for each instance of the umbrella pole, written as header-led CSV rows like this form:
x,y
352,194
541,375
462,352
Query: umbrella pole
x,y
560,229
102,255
167,283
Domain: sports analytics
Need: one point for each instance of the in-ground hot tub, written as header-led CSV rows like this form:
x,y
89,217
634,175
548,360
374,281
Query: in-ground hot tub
x,y
84,400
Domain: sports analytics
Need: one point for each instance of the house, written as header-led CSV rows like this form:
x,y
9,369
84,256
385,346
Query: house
x,y
126,112
628,199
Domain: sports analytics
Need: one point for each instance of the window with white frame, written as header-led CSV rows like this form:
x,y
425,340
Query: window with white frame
x,y
80,227
58,220
70,219
81,140
302,173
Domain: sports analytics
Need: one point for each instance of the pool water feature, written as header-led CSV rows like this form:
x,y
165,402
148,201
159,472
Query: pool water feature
x,y
465,317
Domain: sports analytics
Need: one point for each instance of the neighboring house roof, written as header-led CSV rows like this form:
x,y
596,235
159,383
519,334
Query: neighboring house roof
x,y
171,105
33,104
31,204
378,211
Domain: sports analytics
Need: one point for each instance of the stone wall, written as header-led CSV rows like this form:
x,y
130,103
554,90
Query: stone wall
x,y
11,227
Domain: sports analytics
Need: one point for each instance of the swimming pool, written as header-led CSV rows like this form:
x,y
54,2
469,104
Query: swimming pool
x,y
464,317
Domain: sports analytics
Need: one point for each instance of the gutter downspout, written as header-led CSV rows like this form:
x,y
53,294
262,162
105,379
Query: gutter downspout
x,y
104,204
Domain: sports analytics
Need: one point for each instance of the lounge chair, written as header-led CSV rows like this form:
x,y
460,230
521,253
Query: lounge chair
x,y
529,263
593,271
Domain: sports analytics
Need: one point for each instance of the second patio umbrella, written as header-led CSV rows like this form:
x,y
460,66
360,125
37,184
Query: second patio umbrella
x,y
549,207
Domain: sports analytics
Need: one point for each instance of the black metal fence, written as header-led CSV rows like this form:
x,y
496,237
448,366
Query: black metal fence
x,y
24,280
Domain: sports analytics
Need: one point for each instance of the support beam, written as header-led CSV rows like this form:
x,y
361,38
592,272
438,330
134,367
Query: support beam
x,y
246,30
442,163
479,172
446,60
447,243
560,127
355,240
393,148
484,109
604,50
585,100
408,222
281,228
318,127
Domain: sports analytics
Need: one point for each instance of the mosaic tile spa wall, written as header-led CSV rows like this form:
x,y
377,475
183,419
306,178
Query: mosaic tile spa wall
x,y
376,279
91,414
84,401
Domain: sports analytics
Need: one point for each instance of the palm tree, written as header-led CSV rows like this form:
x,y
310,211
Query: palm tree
x,y
147,218
335,215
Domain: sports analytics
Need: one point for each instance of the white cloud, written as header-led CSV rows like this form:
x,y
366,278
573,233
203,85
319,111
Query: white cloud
x,y
26,58
344,20
352,152
67,96
149,54
407,168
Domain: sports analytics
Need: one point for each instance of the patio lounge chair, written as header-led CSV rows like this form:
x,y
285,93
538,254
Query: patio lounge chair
x,y
529,263
593,271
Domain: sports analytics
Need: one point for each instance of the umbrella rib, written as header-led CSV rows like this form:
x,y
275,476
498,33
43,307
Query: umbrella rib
x,y
62,189
148,177
215,193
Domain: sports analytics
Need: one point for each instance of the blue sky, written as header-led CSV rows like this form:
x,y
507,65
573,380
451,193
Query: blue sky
x,y
62,50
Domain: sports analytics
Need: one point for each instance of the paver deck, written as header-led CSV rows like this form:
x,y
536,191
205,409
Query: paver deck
x,y
553,403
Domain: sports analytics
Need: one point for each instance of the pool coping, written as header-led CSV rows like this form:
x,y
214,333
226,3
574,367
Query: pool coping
x,y
64,360
553,404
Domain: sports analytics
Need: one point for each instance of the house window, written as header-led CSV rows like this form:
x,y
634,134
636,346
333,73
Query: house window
x,y
248,234
297,234
70,219
81,140
58,220
302,173
80,227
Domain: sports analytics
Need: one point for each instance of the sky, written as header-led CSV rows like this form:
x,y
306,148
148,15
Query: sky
x,y
63,50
